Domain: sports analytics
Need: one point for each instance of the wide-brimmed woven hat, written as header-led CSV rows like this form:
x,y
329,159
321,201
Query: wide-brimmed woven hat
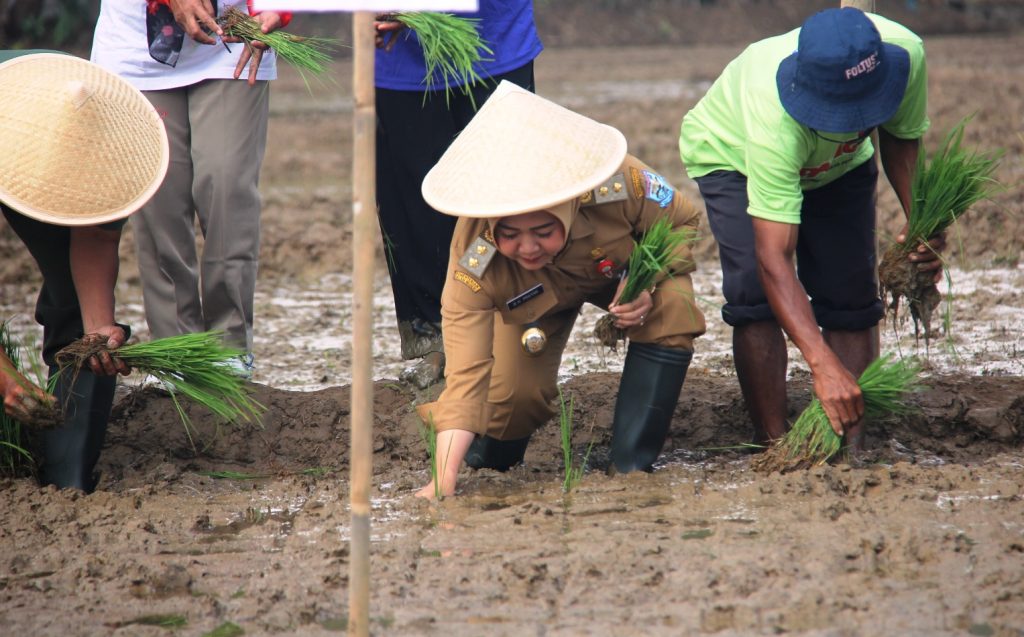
x,y
842,78
522,153
78,145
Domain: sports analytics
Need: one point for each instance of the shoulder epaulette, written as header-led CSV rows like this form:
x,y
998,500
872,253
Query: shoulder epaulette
x,y
478,255
613,189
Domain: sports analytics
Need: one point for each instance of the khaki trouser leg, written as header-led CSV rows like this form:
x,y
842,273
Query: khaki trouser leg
x,y
523,387
229,134
217,131
165,231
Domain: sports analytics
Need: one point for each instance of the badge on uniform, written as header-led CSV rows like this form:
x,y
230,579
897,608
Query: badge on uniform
x,y
603,265
534,339
658,190
466,280
523,297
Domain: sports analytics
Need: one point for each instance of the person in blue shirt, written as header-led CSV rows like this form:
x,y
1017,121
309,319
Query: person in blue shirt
x,y
416,121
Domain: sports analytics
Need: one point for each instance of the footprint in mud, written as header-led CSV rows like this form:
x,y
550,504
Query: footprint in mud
x,y
173,581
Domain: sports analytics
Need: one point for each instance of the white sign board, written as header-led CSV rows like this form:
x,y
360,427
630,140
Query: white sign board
x,y
365,5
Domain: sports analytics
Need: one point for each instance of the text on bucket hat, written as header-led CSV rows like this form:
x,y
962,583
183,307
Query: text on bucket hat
x,y
521,153
80,145
842,77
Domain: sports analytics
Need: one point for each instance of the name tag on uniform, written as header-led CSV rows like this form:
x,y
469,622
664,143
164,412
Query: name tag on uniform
x,y
519,299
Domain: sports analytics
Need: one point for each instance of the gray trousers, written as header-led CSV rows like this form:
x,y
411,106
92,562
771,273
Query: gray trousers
x,y
218,132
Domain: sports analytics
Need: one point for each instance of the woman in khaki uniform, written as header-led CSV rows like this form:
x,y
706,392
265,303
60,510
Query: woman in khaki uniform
x,y
550,205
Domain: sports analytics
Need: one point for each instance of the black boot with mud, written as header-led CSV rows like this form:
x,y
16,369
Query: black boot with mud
x,y
490,453
652,377
70,452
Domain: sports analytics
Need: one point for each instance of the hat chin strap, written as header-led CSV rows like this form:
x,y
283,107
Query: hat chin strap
x,y
79,92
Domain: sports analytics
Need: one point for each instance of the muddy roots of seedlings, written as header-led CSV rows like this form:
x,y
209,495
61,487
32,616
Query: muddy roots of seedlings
x,y
45,415
607,334
75,354
778,458
899,279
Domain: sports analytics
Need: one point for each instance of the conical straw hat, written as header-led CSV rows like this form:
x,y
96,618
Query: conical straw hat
x,y
78,145
522,153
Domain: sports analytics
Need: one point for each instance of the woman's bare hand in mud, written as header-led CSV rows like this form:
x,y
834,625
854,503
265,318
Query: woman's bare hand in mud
x,y
927,256
103,364
197,18
252,52
23,399
633,313
386,29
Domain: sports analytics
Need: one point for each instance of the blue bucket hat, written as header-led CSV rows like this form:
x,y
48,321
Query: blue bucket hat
x,y
842,77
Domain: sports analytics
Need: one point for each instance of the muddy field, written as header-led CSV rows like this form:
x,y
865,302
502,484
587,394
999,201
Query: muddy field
x,y
924,535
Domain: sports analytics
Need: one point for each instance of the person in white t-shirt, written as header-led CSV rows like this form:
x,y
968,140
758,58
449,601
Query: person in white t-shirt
x,y
217,126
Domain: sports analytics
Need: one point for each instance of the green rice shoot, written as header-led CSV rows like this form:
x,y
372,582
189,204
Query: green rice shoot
x,y
429,436
884,386
162,621
428,433
944,187
947,185
573,474
196,366
451,47
654,255
306,54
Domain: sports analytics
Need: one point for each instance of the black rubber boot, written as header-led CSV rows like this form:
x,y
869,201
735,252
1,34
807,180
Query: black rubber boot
x,y
648,392
70,453
490,453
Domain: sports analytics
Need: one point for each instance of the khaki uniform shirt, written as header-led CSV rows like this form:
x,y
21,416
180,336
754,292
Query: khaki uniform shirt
x,y
599,240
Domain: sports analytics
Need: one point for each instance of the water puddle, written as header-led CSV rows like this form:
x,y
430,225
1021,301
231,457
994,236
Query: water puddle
x,y
986,338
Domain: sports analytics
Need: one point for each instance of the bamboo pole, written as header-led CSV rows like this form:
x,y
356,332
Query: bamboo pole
x,y
868,6
364,243
864,5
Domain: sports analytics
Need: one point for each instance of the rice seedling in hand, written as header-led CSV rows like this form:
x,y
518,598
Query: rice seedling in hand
x,y
196,366
451,46
573,474
943,189
33,407
812,441
653,256
15,460
306,54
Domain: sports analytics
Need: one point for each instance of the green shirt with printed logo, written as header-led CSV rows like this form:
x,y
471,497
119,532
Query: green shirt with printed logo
x,y
741,125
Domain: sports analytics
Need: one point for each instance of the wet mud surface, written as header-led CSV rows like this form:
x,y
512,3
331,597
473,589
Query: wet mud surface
x,y
922,535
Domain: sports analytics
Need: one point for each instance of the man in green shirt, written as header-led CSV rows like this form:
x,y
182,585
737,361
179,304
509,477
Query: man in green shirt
x,y
781,150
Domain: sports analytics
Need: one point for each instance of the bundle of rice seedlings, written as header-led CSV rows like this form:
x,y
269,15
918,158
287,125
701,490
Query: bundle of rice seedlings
x,y
652,256
811,440
306,54
943,189
197,366
14,459
451,46
41,415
